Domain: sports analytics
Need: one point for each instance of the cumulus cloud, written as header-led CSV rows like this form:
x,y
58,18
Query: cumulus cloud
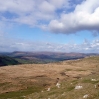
x,y
52,15
17,6
30,12
58,16
84,17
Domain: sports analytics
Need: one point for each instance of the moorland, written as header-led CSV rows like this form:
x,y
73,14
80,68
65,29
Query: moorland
x,y
38,81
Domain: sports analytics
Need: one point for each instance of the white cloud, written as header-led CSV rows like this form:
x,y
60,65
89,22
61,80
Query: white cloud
x,y
51,14
84,17
59,3
17,6
46,7
30,12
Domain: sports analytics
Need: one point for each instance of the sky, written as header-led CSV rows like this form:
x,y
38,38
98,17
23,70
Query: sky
x,y
49,25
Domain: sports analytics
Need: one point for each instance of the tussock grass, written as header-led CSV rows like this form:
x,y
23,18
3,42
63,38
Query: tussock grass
x,y
90,81
20,94
45,76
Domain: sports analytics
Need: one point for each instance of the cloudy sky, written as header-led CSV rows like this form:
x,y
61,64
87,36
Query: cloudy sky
x,y
49,25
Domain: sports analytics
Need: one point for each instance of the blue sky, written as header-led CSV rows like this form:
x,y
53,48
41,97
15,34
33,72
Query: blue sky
x,y
49,25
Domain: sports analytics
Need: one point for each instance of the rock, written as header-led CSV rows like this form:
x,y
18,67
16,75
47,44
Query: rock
x,y
78,87
58,85
48,89
93,80
95,86
85,96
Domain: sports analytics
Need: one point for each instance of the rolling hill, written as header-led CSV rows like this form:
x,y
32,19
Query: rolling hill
x,y
32,81
39,57
44,57
5,60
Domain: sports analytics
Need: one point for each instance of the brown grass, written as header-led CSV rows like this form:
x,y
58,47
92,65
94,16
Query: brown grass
x,y
19,77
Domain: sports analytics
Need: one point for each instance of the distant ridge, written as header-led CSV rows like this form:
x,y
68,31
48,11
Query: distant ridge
x,y
40,57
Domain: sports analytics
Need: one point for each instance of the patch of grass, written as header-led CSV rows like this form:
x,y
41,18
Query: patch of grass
x,y
70,88
19,94
89,81
74,81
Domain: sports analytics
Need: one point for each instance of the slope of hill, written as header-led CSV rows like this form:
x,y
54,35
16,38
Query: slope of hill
x,y
32,81
5,60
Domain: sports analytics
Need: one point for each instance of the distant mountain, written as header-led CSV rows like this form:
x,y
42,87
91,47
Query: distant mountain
x,y
5,60
45,57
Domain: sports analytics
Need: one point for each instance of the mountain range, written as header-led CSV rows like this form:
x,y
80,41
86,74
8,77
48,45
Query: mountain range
x,y
39,57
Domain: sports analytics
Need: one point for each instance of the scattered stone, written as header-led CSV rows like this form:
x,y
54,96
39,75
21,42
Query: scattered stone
x,y
42,91
95,86
58,85
93,80
78,87
48,89
23,96
86,96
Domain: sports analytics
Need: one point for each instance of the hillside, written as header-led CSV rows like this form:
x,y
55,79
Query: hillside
x,y
5,60
38,81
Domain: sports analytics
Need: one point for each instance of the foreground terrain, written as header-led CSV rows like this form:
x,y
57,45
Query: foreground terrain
x,y
38,81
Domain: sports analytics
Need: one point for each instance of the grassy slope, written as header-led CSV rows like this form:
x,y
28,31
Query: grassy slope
x,y
5,60
66,90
